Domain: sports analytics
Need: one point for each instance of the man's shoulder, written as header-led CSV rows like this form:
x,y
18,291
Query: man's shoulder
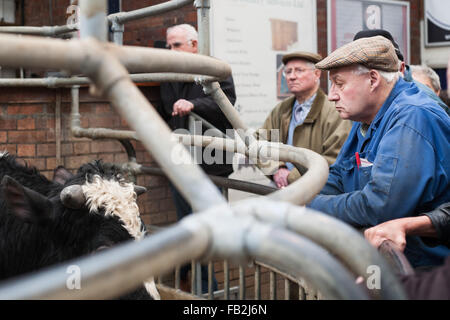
x,y
284,105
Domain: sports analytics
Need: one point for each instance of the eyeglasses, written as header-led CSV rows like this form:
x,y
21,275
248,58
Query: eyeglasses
x,y
176,45
297,71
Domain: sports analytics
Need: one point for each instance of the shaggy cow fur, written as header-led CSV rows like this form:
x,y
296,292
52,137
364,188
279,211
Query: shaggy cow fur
x,y
37,230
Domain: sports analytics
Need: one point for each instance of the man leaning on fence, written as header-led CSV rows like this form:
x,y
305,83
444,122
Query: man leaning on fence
x,y
306,119
395,161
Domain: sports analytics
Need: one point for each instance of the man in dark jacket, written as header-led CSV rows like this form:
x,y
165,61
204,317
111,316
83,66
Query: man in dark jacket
x,y
434,229
179,99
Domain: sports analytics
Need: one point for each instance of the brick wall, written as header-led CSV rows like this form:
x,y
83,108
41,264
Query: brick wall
x,y
28,130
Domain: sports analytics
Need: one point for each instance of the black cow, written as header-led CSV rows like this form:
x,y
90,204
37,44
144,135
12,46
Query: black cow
x,y
44,222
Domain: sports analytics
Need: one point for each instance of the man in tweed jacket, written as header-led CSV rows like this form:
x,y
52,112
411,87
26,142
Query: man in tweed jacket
x,y
307,119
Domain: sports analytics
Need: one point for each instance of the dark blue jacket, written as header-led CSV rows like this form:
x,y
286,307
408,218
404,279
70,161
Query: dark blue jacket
x,y
404,169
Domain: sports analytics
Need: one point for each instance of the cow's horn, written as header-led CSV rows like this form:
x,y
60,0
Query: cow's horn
x,y
139,190
73,197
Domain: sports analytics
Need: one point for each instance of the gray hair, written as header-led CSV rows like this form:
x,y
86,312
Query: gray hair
x,y
388,76
190,31
429,73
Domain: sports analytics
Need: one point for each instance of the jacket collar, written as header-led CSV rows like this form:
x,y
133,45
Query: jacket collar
x,y
399,86
313,113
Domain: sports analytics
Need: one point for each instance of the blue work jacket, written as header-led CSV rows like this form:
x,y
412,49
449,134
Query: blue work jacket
x,y
403,168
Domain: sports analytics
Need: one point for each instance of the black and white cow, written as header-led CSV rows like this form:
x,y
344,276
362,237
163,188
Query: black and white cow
x,y
44,222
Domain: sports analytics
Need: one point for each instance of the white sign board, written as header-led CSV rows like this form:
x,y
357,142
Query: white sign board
x,y
251,36
437,22
347,17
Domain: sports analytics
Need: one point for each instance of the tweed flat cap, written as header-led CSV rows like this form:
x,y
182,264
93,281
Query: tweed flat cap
x,y
380,32
373,53
313,57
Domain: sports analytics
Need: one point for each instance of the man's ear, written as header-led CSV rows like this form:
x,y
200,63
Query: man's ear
x,y
26,204
318,73
375,79
194,43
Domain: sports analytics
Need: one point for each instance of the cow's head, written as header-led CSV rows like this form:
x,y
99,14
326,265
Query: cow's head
x,y
89,211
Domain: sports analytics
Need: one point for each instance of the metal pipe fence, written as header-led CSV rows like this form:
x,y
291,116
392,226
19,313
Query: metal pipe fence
x,y
271,231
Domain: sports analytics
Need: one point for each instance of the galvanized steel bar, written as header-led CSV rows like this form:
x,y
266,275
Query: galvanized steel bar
x,y
93,21
287,289
53,82
241,283
198,279
301,191
193,277
203,7
226,280
124,17
48,31
302,258
113,272
226,183
272,286
257,282
339,238
210,280
177,277
113,81
136,59
75,56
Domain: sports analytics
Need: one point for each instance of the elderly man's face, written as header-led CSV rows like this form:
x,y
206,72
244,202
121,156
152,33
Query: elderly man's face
x,y
301,77
178,40
351,93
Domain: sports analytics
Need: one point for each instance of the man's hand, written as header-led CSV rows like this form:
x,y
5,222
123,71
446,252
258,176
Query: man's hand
x,y
182,107
280,177
393,230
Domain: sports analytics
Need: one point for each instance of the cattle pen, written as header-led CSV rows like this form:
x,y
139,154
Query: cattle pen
x,y
308,251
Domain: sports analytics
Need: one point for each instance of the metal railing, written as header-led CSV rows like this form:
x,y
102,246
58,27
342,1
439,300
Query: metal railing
x,y
271,230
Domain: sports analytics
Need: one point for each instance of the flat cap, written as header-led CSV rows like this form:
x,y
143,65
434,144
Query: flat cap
x,y
380,32
313,57
374,53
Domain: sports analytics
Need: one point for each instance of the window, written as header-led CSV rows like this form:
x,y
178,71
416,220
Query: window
x,y
7,11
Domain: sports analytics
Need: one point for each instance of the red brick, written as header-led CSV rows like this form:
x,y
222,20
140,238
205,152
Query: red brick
x,y
46,149
51,163
75,162
3,137
101,122
158,218
27,136
105,146
66,149
26,124
11,148
120,158
25,109
39,163
8,124
105,157
102,109
26,150
81,148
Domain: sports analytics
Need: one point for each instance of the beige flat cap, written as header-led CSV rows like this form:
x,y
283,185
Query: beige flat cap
x,y
373,53
313,57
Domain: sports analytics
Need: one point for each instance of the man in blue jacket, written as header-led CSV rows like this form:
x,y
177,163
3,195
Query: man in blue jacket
x,y
402,66
395,162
